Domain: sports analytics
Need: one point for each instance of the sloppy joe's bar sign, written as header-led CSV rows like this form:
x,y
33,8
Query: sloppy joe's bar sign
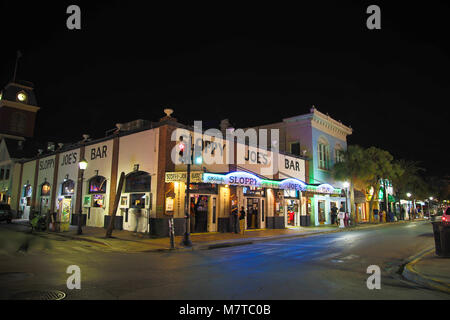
x,y
196,176
249,180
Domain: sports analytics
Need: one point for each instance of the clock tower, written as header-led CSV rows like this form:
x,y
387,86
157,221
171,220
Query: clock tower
x,y
18,108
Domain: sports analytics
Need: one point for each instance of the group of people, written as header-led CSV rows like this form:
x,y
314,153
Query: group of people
x,y
380,215
238,220
335,218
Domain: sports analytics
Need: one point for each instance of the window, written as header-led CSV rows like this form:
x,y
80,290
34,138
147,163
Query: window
x,y
45,189
323,154
295,148
7,174
138,181
27,190
68,188
338,153
97,184
2,174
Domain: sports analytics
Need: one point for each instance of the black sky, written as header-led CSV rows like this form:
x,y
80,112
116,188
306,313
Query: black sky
x,y
253,65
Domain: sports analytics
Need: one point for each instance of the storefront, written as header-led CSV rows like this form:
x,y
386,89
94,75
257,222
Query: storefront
x,y
292,204
320,199
136,201
66,193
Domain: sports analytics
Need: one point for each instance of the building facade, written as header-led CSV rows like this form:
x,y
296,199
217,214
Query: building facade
x,y
271,186
322,140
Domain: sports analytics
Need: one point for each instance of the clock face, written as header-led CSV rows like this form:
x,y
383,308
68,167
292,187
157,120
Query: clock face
x,y
21,96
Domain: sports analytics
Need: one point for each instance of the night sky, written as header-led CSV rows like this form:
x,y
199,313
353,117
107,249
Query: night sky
x,y
253,65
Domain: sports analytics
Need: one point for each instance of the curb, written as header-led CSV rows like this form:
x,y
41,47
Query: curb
x,y
412,275
226,244
79,238
303,235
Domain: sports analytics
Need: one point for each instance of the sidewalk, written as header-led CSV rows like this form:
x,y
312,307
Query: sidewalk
x,y
127,241
429,270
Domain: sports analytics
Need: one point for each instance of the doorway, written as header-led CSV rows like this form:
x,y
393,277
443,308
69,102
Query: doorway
x,y
253,211
199,213
321,207
292,212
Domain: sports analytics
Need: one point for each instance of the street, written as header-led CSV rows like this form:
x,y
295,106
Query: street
x,y
327,266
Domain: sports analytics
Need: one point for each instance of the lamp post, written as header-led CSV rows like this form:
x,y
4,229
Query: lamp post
x,y
346,184
185,156
82,165
409,196
429,205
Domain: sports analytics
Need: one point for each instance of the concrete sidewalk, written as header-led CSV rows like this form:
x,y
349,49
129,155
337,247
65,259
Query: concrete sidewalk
x,y
126,241
429,270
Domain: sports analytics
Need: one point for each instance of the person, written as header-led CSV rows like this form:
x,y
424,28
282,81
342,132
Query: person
x,y
402,213
375,215
234,220
255,217
192,216
242,220
346,219
334,214
381,216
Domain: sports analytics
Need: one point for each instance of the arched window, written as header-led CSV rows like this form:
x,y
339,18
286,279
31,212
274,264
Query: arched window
x,y
138,181
27,190
45,189
97,184
323,152
68,188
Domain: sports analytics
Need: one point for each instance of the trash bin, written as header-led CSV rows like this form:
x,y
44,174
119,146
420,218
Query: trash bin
x,y
444,230
437,236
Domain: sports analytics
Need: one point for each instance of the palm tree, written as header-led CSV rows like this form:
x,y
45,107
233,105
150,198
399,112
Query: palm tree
x,y
353,168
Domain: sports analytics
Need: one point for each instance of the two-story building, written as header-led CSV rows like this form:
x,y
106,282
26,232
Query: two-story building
x,y
323,140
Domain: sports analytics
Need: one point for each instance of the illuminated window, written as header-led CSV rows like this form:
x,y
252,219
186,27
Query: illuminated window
x,y
97,184
45,189
27,190
68,188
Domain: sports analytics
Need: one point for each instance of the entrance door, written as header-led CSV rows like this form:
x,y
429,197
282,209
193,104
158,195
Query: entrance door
x,y
253,212
199,213
321,205
292,212
212,217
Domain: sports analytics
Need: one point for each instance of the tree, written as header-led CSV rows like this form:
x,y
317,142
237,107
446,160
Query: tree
x,y
353,168
380,164
408,179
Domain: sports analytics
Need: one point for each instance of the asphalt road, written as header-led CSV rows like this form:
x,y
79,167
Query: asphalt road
x,y
328,266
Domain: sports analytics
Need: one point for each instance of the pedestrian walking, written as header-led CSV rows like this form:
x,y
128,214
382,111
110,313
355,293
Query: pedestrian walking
x,y
242,220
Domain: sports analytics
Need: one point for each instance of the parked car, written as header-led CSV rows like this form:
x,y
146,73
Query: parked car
x,y
5,212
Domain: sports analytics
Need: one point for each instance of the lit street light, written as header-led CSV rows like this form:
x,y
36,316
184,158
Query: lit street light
x,y
82,165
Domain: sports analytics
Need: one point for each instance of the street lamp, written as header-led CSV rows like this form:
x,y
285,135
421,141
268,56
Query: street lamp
x,y
82,165
429,205
408,194
346,184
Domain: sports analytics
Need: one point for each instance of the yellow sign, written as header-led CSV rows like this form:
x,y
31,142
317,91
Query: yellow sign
x,y
196,176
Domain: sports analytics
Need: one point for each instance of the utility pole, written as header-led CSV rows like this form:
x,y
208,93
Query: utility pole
x,y
187,158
